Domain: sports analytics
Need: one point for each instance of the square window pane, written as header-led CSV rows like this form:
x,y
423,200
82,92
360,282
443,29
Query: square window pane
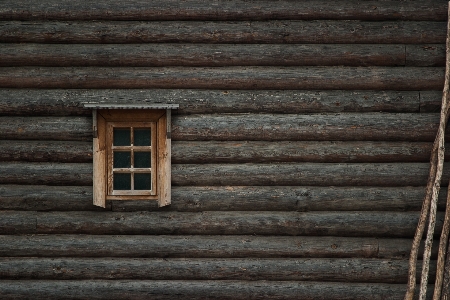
x,y
122,137
142,137
142,181
142,159
122,159
122,181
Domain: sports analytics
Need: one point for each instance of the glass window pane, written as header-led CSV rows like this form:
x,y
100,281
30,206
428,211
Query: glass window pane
x,y
142,159
142,181
142,137
122,159
122,137
122,181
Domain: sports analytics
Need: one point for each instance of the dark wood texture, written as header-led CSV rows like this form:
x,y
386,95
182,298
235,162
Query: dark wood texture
x,y
430,101
358,224
246,127
327,78
227,198
425,55
197,152
17,222
138,289
47,198
281,174
251,269
253,32
200,55
221,10
280,198
368,126
46,128
203,246
33,102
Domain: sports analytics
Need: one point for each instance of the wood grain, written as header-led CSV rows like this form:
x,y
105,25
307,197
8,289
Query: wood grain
x,y
288,78
222,10
204,246
185,152
281,174
35,102
251,269
201,55
138,289
425,55
253,32
350,224
227,198
246,127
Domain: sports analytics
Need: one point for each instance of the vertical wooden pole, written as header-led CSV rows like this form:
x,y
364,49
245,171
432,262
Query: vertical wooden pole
x,y
99,160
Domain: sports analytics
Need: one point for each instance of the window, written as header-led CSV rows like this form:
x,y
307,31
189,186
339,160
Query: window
x,y
132,155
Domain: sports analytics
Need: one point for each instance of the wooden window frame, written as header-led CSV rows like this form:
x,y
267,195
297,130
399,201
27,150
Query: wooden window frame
x,y
109,115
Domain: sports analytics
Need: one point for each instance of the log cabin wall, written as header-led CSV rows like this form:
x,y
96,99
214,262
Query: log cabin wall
x,y
300,150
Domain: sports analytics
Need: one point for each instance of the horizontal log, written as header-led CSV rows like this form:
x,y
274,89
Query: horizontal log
x,y
222,10
47,198
34,102
368,126
430,101
255,32
18,222
195,55
425,55
186,246
281,174
198,152
253,290
46,128
46,173
325,269
324,174
285,199
326,78
229,198
350,224
246,127
46,151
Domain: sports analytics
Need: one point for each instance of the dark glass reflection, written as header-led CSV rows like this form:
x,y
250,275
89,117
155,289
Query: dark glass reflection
x,y
142,159
122,137
122,181
122,159
142,137
142,181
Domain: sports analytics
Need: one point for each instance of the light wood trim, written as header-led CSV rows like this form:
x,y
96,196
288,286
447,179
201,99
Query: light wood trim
x,y
164,160
99,158
132,148
131,115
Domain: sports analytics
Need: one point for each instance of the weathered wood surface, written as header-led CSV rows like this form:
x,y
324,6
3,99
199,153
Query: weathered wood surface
x,y
46,151
281,198
367,126
222,10
47,198
246,127
217,289
33,102
281,174
197,152
204,246
228,198
17,222
425,55
162,55
254,32
251,269
350,224
430,101
266,78
46,128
